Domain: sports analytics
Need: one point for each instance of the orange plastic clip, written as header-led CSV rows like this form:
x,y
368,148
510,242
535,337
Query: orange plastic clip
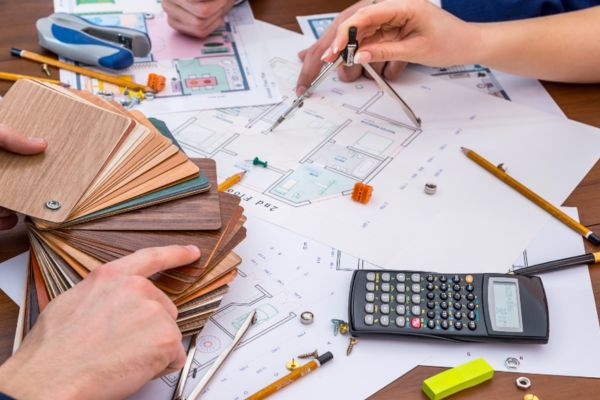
x,y
156,82
362,192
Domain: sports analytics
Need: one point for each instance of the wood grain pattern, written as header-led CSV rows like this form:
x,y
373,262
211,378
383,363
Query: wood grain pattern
x,y
579,102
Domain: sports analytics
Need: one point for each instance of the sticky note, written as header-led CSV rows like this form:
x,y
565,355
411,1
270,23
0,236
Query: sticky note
x,y
458,378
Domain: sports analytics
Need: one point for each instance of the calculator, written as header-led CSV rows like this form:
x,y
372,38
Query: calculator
x,y
459,307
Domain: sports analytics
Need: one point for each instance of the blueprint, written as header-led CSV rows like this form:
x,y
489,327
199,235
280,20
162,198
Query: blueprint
x,y
529,92
221,70
106,6
350,132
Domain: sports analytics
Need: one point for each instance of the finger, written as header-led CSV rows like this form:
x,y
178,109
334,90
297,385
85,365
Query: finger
x,y
350,74
393,69
179,361
8,222
310,69
153,293
378,67
197,28
302,54
202,9
5,213
406,50
147,262
12,140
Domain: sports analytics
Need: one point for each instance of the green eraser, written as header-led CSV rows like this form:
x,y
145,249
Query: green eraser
x,y
458,378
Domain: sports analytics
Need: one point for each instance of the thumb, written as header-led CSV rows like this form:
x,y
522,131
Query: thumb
x,y
12,140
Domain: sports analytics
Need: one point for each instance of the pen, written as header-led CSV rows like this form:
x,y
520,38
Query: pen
x,y
589,258
232,180
291,377
29,55
534,197
7,76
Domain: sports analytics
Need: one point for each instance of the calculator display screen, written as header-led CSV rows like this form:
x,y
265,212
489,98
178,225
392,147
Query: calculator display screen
x,y
505,305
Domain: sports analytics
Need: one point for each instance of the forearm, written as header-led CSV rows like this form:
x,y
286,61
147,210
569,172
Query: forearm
x,y
563,47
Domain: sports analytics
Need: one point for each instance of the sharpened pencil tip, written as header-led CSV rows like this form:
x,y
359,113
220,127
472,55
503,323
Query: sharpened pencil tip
x,y
465,150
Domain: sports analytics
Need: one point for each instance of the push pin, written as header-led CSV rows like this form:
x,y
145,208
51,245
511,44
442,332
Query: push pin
x,y
336,325
307,317
258,161
351,345
314,354
362,192
292,364
530,396
430,188
156,82
46,69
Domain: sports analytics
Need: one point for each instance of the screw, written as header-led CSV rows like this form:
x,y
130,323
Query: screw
x,y
46,69
314,354
258,161
336,325
351,345
292,364
53,205
430,188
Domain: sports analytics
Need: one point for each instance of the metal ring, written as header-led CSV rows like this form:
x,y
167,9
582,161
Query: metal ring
x,y
523,382
307,317
512,363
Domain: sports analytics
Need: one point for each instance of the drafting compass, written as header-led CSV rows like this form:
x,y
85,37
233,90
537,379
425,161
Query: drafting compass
x,y
347,58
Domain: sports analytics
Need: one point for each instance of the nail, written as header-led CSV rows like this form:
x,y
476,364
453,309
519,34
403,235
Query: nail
x,y
335,50
37,140
325,55
362,57
193,249
300,90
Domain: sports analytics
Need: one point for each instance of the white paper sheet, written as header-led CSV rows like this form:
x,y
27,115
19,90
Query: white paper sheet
x,y
574,331
347,133
13,273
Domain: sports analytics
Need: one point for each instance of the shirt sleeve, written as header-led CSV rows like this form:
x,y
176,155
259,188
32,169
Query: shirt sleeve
x,y
505,10
5,397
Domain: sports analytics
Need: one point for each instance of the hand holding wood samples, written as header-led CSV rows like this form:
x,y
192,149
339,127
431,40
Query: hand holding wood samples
x,y
112,182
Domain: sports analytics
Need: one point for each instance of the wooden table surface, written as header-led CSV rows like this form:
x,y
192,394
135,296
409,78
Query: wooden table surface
x,y
579,102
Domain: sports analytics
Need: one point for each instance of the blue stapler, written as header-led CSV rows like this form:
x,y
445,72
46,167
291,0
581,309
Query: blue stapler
x,y
77,39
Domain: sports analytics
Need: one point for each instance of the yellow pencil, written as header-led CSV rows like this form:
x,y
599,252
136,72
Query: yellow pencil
x,y
7,76
291,377
534,197
83,71
232,180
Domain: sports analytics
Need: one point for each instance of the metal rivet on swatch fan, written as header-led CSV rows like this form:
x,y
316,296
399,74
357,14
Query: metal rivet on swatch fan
x,y
53,205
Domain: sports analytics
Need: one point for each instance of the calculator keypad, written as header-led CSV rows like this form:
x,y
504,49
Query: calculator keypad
x,y
410,301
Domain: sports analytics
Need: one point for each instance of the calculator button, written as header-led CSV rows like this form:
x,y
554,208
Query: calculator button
x,y
444,296
370,297
470,296
400,322
369,319
384,320
431,324
469,278
401,298
415,277
385,297
430,305
431,314
444,314
400,277
444,324
471,315
456,296
458,315
429,278
458,325
470,306
444,305
415,310
385,277
470,288
384,308
369,308
370,286
443,278
400,309
430,286
458,305
430,295
456,279
371,276
415,322
385,287
415,298
443,287
400,287
415,288
456,287
472,325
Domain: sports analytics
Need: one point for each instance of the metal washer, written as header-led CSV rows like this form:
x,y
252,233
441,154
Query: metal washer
x,y
307,317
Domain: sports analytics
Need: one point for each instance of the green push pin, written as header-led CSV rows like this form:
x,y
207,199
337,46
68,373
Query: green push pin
x,y
258,161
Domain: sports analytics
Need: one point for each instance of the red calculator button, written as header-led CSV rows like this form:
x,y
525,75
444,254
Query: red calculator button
x,y
415,322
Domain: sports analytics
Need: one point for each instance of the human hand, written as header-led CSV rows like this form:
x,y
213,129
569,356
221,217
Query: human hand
x,y
13,141
408,30
104,338
196,17
313,62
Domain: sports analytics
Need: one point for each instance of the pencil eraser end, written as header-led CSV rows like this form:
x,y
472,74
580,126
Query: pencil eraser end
x,y
458,378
